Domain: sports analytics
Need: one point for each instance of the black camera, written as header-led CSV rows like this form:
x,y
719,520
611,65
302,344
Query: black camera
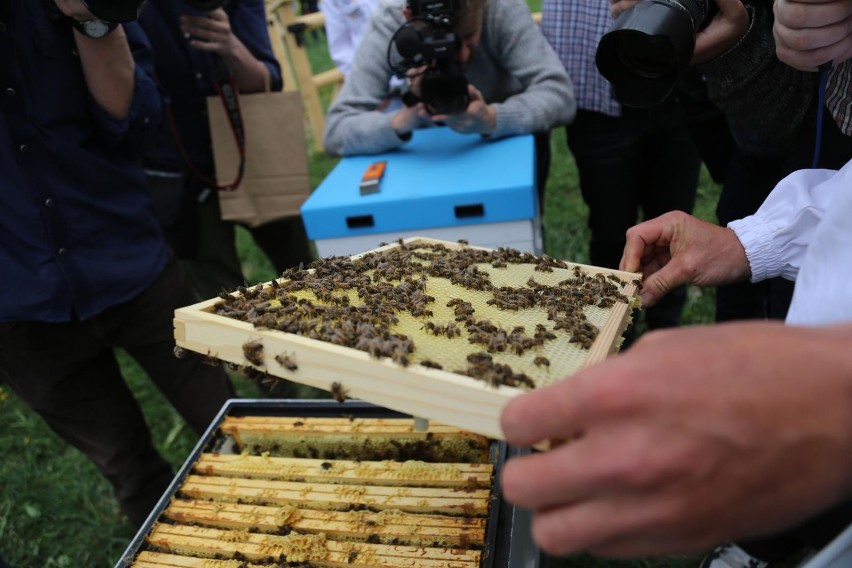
x,y
206,5
428,40
648,47
116,10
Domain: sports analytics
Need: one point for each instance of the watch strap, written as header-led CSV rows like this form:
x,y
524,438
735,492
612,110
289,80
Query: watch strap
x,y
81,27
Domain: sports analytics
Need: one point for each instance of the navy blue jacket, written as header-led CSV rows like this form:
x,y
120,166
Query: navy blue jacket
x,y
187,75
77,231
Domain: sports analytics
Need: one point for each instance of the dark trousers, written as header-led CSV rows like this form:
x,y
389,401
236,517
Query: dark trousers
x,y
206,245
645,161
748,181
813,534
68,374
542,165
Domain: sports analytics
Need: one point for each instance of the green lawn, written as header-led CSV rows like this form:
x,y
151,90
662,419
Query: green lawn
x,y
55,510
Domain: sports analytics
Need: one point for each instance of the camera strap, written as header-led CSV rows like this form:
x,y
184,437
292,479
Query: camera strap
x,y
226,89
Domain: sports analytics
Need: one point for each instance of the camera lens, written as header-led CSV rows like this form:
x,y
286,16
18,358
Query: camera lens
x,y
206,5
648,46
651,57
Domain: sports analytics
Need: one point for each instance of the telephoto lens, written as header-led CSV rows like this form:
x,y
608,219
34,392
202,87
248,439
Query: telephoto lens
x,y
648,47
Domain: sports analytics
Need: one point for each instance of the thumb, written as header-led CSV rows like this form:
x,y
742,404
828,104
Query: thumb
x,y
658,284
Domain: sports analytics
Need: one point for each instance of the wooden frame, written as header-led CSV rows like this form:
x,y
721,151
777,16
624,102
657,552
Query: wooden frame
x,y
429,393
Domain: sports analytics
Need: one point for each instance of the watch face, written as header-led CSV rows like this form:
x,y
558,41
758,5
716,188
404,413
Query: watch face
x,y
96,28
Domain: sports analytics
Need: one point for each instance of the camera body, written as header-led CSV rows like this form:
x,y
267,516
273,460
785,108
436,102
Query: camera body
x,y
206,5
649,46
120,11
116,10
428,40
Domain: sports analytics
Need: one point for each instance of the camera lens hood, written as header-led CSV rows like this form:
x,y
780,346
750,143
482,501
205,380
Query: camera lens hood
x,y
116,10
645,51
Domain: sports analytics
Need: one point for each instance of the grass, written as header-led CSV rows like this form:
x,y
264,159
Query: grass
x,y
55,509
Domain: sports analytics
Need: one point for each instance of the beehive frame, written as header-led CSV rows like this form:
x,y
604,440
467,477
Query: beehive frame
x,y
211,516
435,394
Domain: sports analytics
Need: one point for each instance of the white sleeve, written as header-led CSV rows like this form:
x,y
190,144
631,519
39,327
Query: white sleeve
x,y
340,48
777,236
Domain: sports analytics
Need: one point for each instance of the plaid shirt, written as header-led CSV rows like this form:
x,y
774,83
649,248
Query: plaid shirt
x,y
574,28
838,96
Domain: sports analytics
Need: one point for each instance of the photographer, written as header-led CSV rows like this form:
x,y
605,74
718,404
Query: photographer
x,y
517,84
85,266
196,44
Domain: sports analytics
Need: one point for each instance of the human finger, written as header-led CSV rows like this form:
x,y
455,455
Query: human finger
x,y
726,29
618,526
551,412
641,239
803,14
617,7
75,9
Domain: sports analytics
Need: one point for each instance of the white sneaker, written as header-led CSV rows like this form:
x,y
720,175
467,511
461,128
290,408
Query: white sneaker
x,y
731,556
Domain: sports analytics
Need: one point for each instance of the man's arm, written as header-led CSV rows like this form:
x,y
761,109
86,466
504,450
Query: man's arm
x,y
107,62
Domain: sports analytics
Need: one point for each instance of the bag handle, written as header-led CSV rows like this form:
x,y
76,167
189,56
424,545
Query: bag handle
x,y
226,87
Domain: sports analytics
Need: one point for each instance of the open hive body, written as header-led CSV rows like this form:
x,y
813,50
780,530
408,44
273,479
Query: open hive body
x,y
402,382
329,491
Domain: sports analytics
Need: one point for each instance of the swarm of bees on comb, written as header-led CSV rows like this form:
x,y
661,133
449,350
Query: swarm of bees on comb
x,y
413,303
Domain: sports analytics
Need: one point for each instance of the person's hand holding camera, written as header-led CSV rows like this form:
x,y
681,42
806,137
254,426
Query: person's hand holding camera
x,y
75,9
478,118
619,6
725,30
212,33
409,118
809,33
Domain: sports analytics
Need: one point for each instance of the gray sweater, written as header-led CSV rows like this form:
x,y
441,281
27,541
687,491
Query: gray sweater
x,y
513,67
764,100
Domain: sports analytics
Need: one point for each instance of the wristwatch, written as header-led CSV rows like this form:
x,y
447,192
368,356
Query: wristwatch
x,y
94,29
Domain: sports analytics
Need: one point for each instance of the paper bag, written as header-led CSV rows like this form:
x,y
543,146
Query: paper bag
x,y
275,180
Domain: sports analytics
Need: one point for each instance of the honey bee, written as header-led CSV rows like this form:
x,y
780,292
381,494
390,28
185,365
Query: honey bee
x,y
339,393
464,242
539,361
431,364
253,352
286,362
326,465
210,359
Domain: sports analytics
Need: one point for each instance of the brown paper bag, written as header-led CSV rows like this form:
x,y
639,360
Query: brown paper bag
x,y
275,180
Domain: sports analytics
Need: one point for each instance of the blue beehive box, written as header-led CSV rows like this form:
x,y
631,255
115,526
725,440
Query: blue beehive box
x,y
441,185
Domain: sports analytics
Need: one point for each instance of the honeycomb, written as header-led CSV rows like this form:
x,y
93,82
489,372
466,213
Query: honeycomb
x,y
251,509
501,316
